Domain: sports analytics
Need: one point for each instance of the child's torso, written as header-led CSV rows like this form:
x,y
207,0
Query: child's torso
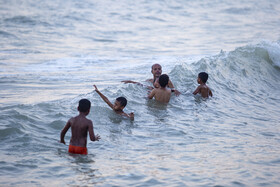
x,y
163,95
204,91
79,129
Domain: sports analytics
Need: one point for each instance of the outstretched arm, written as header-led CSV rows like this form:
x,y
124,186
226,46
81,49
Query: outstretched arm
x,y
138,83
104,97
63,132
170,85
133,82
130,115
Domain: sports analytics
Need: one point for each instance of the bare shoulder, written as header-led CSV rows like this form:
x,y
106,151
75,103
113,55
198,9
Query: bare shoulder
x,y
205,87
71,120
155,90
88,121
199,87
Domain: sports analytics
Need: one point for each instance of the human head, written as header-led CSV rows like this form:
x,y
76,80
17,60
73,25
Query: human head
x,y
203,77
156,70
84,106
163,80
120,103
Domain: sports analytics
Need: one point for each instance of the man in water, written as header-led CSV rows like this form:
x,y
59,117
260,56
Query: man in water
x,y
161,94
156,71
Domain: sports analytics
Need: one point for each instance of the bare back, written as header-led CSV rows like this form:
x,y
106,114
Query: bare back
x,y
205,91
79,128
161,94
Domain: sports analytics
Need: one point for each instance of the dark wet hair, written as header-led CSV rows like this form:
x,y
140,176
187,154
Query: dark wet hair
x,y
122,101
203,76
84,105
163,80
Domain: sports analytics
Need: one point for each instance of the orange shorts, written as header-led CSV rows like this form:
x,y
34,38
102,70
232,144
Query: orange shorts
x,y
77,150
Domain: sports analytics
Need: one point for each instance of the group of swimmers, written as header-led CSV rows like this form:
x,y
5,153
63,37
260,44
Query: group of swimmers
x,y
161,91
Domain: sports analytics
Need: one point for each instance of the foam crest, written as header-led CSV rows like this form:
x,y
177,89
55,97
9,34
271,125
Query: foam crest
x,y
249,69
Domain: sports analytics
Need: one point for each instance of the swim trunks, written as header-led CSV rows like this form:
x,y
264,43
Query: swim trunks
x,y
77,150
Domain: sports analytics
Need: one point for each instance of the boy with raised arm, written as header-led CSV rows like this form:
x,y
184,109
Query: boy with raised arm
x,y
118,106
80,127
161,94
203,89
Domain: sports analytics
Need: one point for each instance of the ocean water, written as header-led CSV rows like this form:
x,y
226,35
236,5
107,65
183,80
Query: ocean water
x,y
52,52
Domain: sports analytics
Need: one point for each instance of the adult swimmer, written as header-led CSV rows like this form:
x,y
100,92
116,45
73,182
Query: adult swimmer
x,y
156,71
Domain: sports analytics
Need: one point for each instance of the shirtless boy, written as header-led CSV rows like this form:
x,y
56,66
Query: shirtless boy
x,y
156,71
203,89
161,94
118,106
80,127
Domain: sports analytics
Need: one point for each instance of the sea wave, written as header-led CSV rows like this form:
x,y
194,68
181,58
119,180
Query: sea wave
x,y
245,87
251,66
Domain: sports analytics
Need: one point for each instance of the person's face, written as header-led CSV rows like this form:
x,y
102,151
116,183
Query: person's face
x,y
156,71
199,80
117,105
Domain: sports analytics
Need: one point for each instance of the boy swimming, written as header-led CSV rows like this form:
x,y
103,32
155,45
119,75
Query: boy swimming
x,y
156,71
161,94
203,89
80,127
118,106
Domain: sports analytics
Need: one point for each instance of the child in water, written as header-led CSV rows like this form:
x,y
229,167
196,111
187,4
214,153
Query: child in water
x,y
161,94
118,106
203,89
80,127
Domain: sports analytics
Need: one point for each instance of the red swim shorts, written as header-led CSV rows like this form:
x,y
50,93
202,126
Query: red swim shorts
x,y
77,150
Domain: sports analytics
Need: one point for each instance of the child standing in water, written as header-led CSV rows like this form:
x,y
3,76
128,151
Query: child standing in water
x,y
161,94
118,106
203,89
80,127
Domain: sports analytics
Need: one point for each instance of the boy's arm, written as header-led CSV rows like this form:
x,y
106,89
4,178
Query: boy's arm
x,y
150,80
63,132
91,133
138,83
133,82
152,94
210,93
170,85
196,91
104,97
131,115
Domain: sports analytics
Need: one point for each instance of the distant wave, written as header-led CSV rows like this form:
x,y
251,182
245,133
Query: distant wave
x,y
24,20
249,67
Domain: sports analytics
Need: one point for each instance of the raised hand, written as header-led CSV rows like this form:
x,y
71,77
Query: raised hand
x,y
96,89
